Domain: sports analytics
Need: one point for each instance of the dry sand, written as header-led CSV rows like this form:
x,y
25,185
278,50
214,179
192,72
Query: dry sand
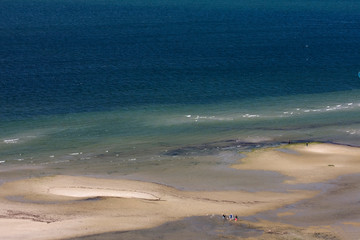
x,y
60,207
316,162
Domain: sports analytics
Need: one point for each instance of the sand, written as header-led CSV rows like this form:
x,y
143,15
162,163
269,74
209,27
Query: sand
x,y
89,192
64,206
60,207
317,162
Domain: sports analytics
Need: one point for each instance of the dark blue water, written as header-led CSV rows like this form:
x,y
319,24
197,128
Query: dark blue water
x,y
141,77
63,56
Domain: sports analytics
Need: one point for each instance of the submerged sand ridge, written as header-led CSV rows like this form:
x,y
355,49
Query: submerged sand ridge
x,y
59,207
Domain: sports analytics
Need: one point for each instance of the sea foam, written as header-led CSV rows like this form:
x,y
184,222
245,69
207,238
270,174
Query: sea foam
x,y
11,141
328,108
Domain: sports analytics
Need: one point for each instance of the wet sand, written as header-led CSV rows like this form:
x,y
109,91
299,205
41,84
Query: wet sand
x,y
62,206
214,228
337,208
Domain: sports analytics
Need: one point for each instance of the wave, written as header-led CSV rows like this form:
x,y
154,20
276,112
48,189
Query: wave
x,y
250,115
353,132
338,107
28,135
16,140
197,118
75,153
11,141
245,112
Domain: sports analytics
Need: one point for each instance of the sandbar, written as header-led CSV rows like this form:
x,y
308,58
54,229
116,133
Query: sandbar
x,y
59,207
305,163
63,206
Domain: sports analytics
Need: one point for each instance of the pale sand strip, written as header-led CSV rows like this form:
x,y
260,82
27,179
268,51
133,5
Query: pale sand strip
x,y
88,192
124,205
316,162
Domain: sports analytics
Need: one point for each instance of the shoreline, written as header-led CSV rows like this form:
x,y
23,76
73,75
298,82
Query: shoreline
x,y
108,213
66,207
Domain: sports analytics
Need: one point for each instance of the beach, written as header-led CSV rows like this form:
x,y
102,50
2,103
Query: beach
x,y
66,207
140,119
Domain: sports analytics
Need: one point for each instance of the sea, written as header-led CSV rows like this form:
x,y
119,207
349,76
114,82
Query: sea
x,y
149,81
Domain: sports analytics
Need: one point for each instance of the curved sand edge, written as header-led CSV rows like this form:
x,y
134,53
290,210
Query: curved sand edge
x,y
82,192
315,162
57,208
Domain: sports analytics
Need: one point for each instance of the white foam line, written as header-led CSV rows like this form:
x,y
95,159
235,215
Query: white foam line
x,y
14,140
75,154
250,115
213,118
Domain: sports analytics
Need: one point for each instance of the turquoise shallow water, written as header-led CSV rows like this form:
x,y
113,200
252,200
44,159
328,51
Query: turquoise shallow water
x,y
148,131
133,81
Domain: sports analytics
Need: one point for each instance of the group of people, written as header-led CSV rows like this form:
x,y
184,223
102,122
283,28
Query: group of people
x,y
230,217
